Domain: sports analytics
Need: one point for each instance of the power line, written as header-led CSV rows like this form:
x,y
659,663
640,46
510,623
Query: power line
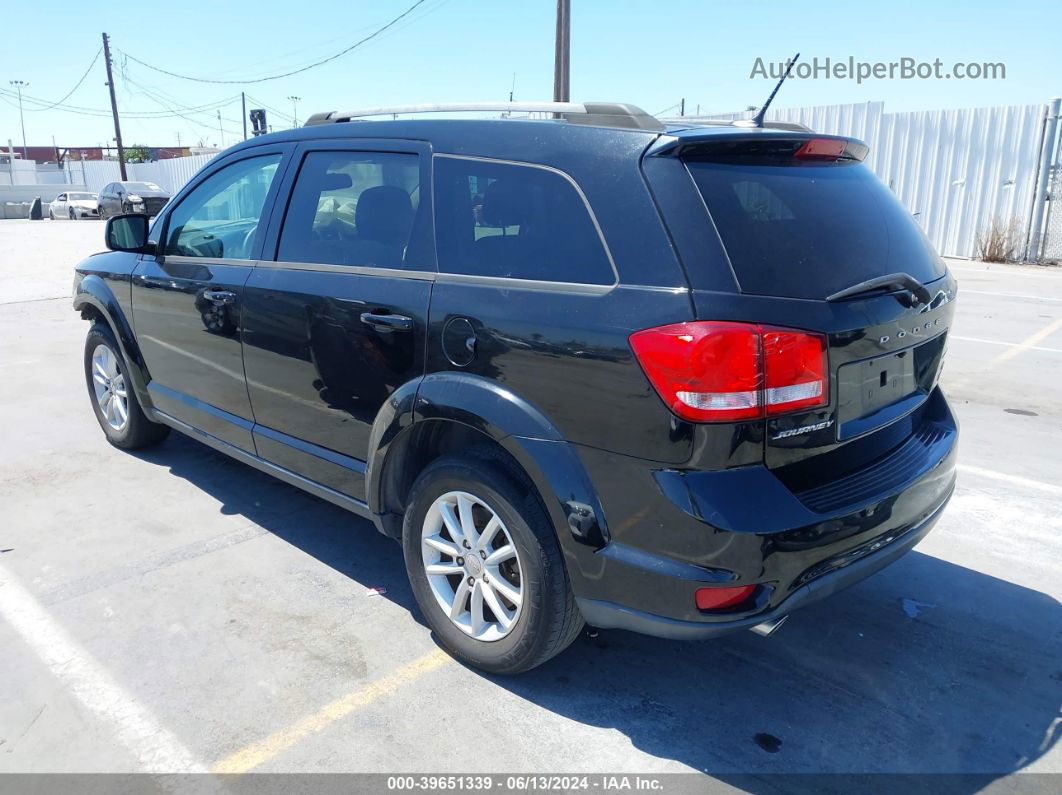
x,y
77,85
314,65
176,109
170,103
143,114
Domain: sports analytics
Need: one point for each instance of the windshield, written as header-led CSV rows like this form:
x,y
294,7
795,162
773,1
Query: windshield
x,y
142,186
809,230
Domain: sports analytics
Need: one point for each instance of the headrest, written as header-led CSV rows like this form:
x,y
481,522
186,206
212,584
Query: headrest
x,y
384,213
504,204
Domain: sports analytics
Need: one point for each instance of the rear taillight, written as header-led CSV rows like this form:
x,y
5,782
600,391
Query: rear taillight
x,y
725,372
822,148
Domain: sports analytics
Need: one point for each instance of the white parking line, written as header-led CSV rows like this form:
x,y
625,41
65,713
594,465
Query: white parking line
x,y
1016,480
1012,271
964,291
155,748
1007,344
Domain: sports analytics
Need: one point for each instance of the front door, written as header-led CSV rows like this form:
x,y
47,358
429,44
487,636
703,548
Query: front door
x,y
336,321
187,299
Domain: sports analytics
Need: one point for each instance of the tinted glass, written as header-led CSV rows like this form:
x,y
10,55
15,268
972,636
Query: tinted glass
x,y
519,222
352,208
807,231
219,218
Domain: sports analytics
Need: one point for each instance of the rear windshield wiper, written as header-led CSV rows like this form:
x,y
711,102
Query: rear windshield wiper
x,y
903,283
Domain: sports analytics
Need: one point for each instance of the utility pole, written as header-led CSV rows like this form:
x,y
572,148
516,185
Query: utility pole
x,y
682,107
243,106
114,107
294,111
18,87
562,51
222,129
178,139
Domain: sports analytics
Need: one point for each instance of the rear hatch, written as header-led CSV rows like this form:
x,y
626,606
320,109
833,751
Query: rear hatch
x,y
800,225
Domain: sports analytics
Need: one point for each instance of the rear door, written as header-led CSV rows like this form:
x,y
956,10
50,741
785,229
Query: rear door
x,y
790,223
187,299
335,314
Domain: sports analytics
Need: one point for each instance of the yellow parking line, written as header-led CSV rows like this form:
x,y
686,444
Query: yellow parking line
x,y
1029,342
258,753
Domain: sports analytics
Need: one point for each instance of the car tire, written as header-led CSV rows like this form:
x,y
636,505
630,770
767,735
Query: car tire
x,y
73,215
51,216
113,400
103,215
544,621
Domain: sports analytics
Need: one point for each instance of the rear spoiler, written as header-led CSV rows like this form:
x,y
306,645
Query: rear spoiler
x,y
730,142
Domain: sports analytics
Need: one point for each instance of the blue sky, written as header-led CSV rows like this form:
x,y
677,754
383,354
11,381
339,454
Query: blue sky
x,y
651,54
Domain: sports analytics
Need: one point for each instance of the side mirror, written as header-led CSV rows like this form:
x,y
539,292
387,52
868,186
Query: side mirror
x,y
128,233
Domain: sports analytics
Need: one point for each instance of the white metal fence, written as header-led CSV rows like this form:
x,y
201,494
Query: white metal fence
x,y
955,170
170,175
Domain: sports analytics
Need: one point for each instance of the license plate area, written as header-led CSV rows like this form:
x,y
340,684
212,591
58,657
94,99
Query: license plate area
x,y
874,392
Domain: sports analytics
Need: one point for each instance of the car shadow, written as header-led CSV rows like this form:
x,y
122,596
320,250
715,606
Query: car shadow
x,y
927,667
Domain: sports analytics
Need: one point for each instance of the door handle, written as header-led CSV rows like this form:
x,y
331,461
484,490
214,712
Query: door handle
x,y
220,296
387,323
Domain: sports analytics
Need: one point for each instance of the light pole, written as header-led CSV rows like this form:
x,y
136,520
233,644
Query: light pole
x,y
294,111
18,87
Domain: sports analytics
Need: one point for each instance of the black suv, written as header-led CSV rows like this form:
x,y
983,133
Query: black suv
x,y
680,381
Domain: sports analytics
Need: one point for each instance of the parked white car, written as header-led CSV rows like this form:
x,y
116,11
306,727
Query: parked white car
x,y
74,205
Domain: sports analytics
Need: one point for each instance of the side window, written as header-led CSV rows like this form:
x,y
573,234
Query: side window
x,y
352,208
519,222
219,218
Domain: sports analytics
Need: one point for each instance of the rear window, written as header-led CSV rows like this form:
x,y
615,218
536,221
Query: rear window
x,y
809,230
516,222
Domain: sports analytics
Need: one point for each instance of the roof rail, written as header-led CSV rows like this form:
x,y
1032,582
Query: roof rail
x,y
603,114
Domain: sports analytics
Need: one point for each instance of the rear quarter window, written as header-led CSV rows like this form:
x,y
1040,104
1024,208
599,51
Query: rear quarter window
x,y
515,221
809,230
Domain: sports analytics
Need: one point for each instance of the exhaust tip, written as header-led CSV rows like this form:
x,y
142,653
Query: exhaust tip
x,y
768,628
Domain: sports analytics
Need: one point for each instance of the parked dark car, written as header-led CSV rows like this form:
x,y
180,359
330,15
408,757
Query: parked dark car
x,y
679,381
132,197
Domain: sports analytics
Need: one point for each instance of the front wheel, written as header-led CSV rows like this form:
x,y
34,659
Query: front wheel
x,y
117,410
51,216
101,211
73,217
485,566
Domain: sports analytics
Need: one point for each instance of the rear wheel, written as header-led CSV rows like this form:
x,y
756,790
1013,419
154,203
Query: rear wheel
x,y
117,410
486,568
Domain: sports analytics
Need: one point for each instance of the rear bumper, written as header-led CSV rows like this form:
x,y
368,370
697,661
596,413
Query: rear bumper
x,y
673,532
608,615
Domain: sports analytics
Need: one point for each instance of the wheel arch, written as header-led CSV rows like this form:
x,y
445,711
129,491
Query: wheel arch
x,y
449,412
95,300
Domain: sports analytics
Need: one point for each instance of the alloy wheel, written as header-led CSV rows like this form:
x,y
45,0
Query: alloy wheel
x,y
108,383
472,566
